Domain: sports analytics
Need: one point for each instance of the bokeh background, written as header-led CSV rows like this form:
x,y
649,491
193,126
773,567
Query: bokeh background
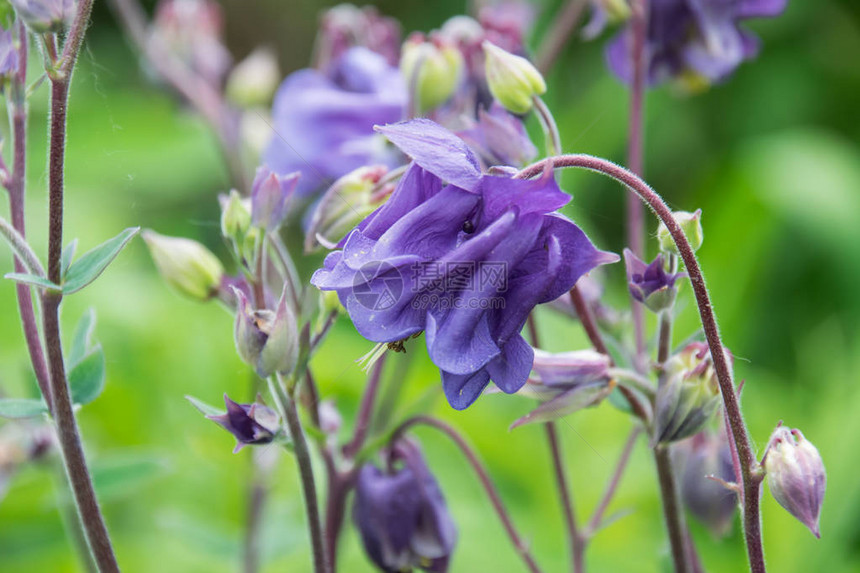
x,y
772,157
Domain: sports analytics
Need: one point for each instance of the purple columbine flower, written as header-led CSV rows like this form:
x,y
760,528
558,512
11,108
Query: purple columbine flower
x,y
693,38
401,514
323,122
464,257
249,423
650,284
499,138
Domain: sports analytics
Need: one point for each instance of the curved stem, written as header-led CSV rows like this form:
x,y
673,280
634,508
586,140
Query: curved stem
x,y
594,524
749,465
21,249
520,546
287,406
549,126
577,547
365,412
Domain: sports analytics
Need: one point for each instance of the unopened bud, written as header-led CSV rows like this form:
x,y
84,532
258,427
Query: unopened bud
x,y
266,340
270,197
688,395
796,476
44,16
235,216
513,80
700,458
251,424
343,206
567,369
254,80
690,223
650,284
432,69
186,265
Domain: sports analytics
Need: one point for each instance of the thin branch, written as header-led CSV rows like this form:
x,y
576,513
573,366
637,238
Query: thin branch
x,y
563,27
594,524
365,411
672,509
21,249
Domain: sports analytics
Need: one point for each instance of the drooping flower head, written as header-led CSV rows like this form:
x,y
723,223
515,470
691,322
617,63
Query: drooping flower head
x,y
649,283
693,39
401,514
707,454
323,122
346,26
250,424
462,256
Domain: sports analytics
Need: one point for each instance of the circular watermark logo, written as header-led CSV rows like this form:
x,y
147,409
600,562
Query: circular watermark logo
x,y
377,285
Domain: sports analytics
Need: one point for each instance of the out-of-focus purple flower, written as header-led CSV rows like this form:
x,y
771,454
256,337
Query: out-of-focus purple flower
x,y
270,197
796,476
604,12
191,31
507,23
323,123
346,26
707,454
499,138
693,39
464,257
650,284
8,55
45,15
250,423
401,514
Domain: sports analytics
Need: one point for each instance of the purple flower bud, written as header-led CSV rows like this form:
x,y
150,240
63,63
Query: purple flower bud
x,y
707,454
650,284
191,31
266,340
270,197
346,26
796,476
249,423
401,514
500,138
688,395
43,16
567,369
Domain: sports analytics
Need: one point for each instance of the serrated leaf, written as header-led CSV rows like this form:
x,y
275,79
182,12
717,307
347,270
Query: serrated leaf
x,y
87,377
19,408
205,408
32,280
567,402
82,341
93,263
68,255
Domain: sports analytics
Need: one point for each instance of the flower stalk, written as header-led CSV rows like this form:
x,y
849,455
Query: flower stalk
x,y
749,466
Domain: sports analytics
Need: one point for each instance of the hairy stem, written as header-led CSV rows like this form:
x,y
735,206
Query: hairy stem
x,y
365,411
562,28
672,510
17,184
287,406
575,540
519,545
749,465
549,126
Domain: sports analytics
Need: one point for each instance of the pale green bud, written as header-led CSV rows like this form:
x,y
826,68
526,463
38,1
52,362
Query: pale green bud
x,y
266,340
432,69
254,80
235,216
186,265
513,80
690,223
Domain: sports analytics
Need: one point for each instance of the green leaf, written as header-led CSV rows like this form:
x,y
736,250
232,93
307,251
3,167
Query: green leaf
x,y
87,378
68,255
204,408
32,280
88,268
18,408
82,342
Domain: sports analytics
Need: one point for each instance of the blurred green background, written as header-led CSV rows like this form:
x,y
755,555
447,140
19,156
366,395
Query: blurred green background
x,y
772,157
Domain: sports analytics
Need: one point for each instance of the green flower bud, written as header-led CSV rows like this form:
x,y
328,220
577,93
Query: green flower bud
x,y
235,217
343,206
691,224
186,265
254,80
432,69
513,80
266,340
688,395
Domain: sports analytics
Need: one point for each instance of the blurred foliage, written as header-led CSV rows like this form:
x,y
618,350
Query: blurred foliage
x,y
772,157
